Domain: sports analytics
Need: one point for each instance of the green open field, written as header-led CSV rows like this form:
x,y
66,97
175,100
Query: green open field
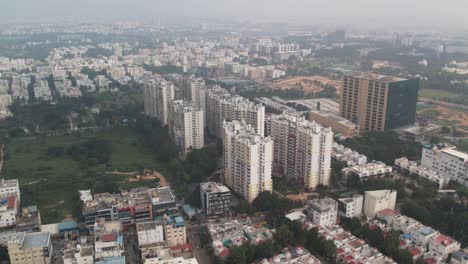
x,y
462,145
52,182
438,94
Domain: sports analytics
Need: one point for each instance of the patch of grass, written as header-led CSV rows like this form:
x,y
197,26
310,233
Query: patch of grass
x,y
462,145
437,94
283,187
430,113
52,182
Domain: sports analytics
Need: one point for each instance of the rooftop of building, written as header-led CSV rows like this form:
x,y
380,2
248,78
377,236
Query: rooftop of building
x,y
8,183
374,76
322,204
214,187
333,117
456,153
36,240
162,195
150,225
134,197
107,231
378,193
176,221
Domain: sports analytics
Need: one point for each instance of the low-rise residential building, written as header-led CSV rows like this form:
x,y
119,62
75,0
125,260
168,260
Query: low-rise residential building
x,y
375,201
412,168
26,248
150,233
163,255
175,231
460,257
296,255
351,207
443,245
323,212
348,156
446,161
74,253
215,198
351,249
9,207
108,240
9,188
375,168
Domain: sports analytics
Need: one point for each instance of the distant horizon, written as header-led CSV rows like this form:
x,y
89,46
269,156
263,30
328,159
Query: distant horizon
x,y
420,14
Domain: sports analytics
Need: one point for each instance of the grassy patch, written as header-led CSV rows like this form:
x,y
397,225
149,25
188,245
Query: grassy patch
x,y
52,182
430,113
436,94
462,145
283,187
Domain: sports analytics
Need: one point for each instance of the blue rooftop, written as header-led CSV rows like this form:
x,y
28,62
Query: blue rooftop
x,y
179,220
426,230
67,225
407,236
188,209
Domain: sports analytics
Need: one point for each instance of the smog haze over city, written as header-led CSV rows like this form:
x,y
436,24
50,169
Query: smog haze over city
x,y
234,131
412,14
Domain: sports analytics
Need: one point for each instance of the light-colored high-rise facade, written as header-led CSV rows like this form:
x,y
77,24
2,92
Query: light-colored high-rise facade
x,y
302,149
379,102
221,106
194,89
158,95
186,126
446,161
247,160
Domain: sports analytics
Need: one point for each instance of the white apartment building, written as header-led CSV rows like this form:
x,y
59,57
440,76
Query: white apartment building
x,y
194,89
158,95
351,207
375,201
247,160
323,212
302,149
374,168
447,161
150,233
8,210
186,126
9,188
221,106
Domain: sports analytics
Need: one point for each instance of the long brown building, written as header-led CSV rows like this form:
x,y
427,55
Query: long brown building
x,y
379,102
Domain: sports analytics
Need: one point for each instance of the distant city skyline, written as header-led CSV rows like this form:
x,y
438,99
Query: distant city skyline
x,y
425,14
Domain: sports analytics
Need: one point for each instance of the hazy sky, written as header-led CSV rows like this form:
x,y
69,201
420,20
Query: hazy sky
x,y
432,13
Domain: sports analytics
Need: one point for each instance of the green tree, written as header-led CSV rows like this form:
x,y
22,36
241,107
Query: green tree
x,y
236,256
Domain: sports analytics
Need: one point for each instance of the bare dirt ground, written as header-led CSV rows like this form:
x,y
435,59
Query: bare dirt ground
x,y
155,175
459,118
300,197
310,84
